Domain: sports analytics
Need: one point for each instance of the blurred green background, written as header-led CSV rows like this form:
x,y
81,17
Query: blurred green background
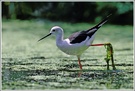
x,y
70,11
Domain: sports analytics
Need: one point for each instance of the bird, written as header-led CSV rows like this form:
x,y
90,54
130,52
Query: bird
x,y
78,42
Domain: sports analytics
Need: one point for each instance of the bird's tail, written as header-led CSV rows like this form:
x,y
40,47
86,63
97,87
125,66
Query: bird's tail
x,y
95,28
103,21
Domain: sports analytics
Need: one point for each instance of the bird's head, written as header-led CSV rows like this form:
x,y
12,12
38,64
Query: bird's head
x,y
56,30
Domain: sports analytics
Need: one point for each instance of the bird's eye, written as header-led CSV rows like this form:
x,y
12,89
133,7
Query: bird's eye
x,y
53,30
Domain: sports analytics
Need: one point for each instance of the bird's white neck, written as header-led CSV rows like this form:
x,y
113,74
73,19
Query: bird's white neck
x,y
59,38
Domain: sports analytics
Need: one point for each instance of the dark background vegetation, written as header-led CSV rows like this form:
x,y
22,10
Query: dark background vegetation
x,y
122,12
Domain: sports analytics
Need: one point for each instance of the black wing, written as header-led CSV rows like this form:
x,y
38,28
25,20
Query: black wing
x,y
78,37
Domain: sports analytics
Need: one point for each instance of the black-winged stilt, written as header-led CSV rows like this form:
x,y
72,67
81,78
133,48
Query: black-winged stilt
x,y
78,42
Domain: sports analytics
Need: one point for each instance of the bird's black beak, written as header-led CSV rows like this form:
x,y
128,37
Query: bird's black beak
x,y
44,37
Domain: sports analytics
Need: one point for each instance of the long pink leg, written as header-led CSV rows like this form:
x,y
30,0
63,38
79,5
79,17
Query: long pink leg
x,y
80,65
97,44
